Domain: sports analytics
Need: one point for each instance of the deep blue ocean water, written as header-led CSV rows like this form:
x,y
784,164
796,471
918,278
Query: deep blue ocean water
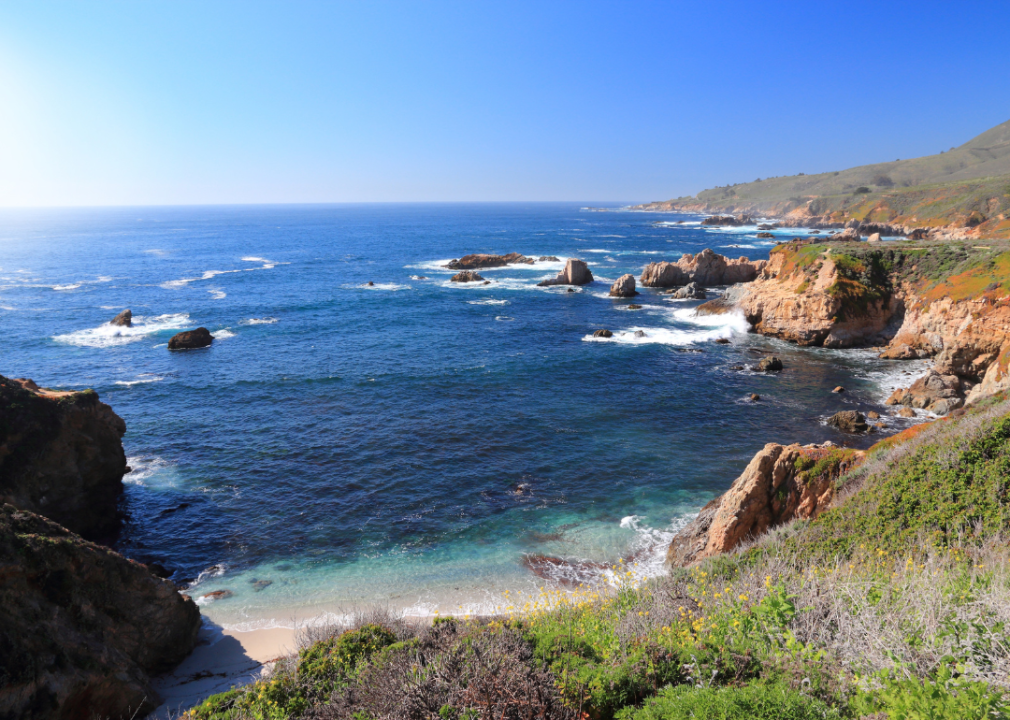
x,y
414,442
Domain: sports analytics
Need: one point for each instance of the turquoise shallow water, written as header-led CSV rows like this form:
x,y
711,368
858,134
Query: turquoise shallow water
x,y
412,443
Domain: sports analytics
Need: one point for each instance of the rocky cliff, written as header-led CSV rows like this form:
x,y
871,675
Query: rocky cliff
x,y
943,300
81,627
61,456
705,268
781,483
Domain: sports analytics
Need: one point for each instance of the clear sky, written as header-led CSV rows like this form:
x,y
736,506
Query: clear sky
x,y
156,102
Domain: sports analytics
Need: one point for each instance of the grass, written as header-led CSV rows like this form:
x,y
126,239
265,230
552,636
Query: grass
x,y
894,604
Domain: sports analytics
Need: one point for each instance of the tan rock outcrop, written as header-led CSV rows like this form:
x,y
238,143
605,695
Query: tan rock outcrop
x,y
624,286
61,456
576,272
81,627
781,483
705,268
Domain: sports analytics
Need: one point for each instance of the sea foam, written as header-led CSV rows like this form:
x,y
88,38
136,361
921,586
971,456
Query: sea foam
x,y
108,335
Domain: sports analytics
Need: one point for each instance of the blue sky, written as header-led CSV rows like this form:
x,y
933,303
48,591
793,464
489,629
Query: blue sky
x,y
152,102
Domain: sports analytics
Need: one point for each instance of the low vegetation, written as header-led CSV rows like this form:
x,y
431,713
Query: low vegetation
x,y
894,604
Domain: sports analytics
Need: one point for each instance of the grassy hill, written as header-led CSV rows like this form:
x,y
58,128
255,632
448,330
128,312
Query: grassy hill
x,y
894,605
968,186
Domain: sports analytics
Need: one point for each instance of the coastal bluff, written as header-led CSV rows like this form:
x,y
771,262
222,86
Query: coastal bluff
x,y
61,456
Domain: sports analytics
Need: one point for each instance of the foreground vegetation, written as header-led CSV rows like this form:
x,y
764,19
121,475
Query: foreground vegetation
x,y
894,604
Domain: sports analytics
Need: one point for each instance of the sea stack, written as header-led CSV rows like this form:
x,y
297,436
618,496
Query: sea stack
x,y
576,272
191,339
125,319
624,287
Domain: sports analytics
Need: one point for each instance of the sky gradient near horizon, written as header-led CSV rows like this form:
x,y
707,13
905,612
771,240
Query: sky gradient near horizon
x,y
125,103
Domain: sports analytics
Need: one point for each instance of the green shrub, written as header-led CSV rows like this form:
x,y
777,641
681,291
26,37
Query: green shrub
x,y
943,698
757,701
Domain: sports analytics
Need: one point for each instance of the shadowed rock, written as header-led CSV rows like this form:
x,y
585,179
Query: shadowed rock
x,y
576,272
624,286
125,319
191,339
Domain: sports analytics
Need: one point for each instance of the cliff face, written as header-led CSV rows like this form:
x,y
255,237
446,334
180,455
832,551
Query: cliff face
x,y
61,456
781,483
81,626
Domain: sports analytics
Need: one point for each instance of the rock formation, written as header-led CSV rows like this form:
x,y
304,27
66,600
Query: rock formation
x,y
548,258
483,260
576,272
81,627
691,291
603,334
624,287
466,276
61,455
933,392
125,319
850,421
191,339
728,220
781,483
769,364
705,268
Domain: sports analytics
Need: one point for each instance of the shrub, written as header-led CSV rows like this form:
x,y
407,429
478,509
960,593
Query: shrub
x,y
757,701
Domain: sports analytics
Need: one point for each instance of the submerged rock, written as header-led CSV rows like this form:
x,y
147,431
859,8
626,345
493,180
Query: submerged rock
x,y
850,421
624,286
466,276
61,455
634,307
576,272
124,319
82,628
191,339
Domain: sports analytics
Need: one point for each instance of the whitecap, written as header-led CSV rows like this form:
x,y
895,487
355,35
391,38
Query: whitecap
x,y
173,284
208,274
253,258
733,321
218,294
596,250
156,252
392,287
73,286
223,334
141,380
661,336
259,321
504,318
487,301
748,247
143,467
108,335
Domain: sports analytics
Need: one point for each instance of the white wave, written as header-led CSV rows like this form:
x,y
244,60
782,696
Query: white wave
x,y
253,258
596,250
661,336
259,321
208,274
156,252
487,301
109,335
73,286
141,380
649,547
748,247
214,571
223,334
143,467
504,318
103,279
7,308
218,294
392,287
733,321
173,284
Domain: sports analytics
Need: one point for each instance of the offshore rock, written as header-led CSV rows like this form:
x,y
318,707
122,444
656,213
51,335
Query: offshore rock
x,y
691,291
624,287
82,627
850,421
125,319
61,455
728,220
476,261
576,272
769,364
466,276
548,258
603,334
933,392
781,483
705,268
191,339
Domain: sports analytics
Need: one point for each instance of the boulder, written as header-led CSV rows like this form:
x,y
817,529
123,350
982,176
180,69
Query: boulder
x,y
624,286
933,392
518,259
82,628
769,364
633,306
640,334
124,319
576,272
61,455
873,415
766,226
875,237
603,334
548,258
906,412
838,389
754,397
722,341
705,268
691,291
850,421
466,276
191,339
765,236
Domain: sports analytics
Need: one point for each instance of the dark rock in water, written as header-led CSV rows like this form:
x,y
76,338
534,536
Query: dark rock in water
x,y
486,282
934,392
633,306
466,276
728,220
765,235
691,291
850,421
61,454
640,334
838,389
769,364
191,339
722,341
217,595
906,412
815,232
418,277
571,290
737,367
125,319
261,584
603,334
483,260
754,397
548,258
767,227
624,287
576,272
369,284
82,628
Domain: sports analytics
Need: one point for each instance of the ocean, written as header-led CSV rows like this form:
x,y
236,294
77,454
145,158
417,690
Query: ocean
x,y
415,443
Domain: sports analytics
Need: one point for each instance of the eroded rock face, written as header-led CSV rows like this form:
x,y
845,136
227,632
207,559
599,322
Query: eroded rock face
x,y
781,483
61,455
466,276
576,272
81,627
624,287
705,268
192,339
124,319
